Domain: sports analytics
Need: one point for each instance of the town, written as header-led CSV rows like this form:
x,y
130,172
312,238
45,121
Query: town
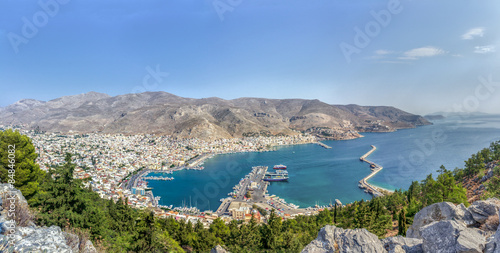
x,y
117,166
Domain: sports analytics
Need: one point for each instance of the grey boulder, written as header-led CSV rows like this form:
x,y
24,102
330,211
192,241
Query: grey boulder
x,y
450,236
334,239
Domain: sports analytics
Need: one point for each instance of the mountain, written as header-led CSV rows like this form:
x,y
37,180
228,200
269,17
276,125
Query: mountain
x,y
208,118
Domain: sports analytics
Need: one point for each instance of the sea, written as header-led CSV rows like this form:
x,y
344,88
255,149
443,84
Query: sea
x,y
318,176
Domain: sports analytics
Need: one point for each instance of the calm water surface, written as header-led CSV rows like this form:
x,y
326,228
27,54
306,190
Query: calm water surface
x,y
319,175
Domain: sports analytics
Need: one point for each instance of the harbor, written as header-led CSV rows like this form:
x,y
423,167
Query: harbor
x,y
252,192
363,183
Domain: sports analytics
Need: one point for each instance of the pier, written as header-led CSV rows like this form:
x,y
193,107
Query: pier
x,y
323,145
363,183
158,178
254,182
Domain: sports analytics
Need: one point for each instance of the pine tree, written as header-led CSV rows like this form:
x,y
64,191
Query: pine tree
x,y
17,158
402,226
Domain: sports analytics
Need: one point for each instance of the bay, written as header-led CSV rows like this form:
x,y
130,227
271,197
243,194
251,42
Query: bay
x,y
319,175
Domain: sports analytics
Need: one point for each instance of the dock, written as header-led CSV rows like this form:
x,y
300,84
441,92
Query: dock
x,y
363,183
254,182
323,145
158,178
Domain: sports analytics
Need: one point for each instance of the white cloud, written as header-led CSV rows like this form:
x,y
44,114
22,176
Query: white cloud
x,y
417,53
484,49
474,32
383,52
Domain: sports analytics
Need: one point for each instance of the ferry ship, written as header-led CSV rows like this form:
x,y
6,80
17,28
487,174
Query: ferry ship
x,y
276,176
279,167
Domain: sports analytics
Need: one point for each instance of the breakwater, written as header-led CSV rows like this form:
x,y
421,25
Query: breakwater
x,y
323,145
363,183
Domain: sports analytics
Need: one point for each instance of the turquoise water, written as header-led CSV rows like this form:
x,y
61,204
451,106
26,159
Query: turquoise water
x,y
319,175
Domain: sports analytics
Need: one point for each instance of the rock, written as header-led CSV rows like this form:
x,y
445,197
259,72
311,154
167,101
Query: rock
x,y
493,244
481,210
218,249
410,245
37,240
397,249
334,239
435,212
32,238
451,236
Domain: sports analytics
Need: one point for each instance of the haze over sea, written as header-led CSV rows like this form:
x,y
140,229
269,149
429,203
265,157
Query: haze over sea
x,y
319,175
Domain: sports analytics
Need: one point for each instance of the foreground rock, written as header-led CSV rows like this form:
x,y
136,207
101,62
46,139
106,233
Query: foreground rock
x,y
451,236
402,244
436,212
441,227
334,239
493,243
219,249
28,237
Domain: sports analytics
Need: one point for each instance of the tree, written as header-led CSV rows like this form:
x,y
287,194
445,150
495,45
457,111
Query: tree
x,y
17,158
402,226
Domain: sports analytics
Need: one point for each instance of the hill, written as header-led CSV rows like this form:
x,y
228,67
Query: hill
x,y
208,118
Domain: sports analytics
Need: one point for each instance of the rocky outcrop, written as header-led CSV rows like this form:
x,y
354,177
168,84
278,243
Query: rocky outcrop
x,y
432,213
403,244
445,227
475,216
481,210
493,242
441,227
334,239
31,238
219,249
451,236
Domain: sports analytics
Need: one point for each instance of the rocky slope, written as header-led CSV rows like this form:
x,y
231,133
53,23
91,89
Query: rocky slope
x,y
441,227
164,113
476,185
27,236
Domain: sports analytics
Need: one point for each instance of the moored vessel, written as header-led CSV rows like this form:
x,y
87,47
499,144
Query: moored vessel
x,y
279,167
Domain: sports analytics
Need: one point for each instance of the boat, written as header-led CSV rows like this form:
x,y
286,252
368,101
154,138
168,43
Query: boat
x,y
275,178
279,175
279,167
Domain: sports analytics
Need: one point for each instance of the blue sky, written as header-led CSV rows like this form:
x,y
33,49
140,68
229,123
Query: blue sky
x,y
421,56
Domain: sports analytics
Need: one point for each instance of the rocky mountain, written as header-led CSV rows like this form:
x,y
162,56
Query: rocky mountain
x,y
164,113
441,227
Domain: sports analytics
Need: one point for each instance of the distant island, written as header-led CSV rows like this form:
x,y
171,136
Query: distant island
x,y
434,117
207,118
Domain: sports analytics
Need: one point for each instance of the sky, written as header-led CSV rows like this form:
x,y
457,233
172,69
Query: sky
x,y
421,56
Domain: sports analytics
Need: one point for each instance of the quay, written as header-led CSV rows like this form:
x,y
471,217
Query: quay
x,y
255,184
363,183
323,145
158,178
